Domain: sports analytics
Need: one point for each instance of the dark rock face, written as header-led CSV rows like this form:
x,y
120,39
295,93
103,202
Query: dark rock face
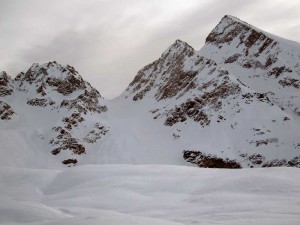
x,y
86,102
63,79
232,58
264,142
230,28
169,69
254,159
6,112
6,87
287,82
68,85
262,97
65,141
40,102
275,163
97,133
194,109
258,159
295,162
4,79
69,162
209,161
190,109
179,80
277,71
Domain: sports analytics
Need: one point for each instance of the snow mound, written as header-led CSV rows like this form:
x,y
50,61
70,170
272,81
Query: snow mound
x,y
154,194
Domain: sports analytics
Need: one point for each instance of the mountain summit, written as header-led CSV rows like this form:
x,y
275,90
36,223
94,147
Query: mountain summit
x,y
234,103
49,110
234,100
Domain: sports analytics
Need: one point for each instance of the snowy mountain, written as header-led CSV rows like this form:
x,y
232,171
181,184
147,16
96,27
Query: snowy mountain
x,y
48,109
233,103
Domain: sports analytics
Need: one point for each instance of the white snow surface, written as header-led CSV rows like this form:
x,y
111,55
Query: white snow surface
x,y
149,194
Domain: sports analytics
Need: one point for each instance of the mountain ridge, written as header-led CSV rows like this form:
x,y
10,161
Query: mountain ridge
x,y
248,56
234,103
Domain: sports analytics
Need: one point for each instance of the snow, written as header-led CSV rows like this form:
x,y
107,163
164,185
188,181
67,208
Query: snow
x,y
140,139
149,194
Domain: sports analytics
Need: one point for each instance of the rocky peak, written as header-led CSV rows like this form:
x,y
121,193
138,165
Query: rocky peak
x,y
60,87
230,28
63,79
179,47
4,79
50,69
6,83
74,105
168,67
239,46
240,69
220,32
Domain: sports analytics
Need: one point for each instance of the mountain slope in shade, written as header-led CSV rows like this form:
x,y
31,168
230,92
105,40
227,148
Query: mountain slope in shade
x,y
235,100
49,111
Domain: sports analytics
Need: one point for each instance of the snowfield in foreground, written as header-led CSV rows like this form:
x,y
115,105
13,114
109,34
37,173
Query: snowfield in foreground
x,y
152,194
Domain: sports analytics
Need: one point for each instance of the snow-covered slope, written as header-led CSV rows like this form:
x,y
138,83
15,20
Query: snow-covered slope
x,y
139,195
266,63
49,111
236,99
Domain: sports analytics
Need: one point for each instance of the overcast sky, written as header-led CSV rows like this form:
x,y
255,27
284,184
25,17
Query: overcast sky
x,y
108,41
